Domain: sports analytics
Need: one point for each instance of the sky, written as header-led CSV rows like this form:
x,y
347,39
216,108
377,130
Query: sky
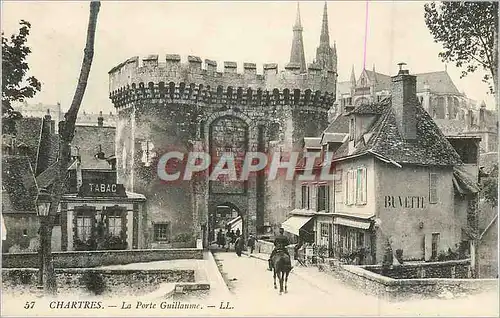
x,y
259,32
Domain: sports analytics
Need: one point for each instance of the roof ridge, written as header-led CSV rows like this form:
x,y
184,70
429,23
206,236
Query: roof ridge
x,y
383,121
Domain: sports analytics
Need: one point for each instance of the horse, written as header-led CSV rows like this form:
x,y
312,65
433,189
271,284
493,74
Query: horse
x,y
282,266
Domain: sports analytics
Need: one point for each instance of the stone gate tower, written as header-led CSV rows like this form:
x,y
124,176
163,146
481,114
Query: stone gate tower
x,y
165,105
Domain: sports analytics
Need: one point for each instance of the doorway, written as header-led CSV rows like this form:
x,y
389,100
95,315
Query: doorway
x,y
224,217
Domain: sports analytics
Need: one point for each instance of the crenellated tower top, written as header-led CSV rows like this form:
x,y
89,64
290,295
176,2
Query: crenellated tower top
x,y
169,71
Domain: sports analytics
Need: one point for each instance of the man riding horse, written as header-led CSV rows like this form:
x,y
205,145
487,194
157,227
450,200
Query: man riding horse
x,y
280,244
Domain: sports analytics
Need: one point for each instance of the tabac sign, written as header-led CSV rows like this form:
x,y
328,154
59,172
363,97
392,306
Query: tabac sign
x,y
101,189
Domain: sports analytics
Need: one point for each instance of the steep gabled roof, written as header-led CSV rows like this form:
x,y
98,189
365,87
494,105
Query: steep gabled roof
x,y
339,125
463,182
384,139
19,183
88,138
382,81
372,108
312,142
439,82
28,131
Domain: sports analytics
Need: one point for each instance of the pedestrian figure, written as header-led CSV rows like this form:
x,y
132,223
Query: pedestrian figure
x,y
228,240
223,240
219,238
239,244
251,243
233,237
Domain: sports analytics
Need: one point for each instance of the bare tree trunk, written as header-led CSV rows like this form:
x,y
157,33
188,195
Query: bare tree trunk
x,y
66,133
494,69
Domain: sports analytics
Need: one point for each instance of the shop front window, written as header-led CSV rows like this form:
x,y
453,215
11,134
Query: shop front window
x,y
84,227
115,225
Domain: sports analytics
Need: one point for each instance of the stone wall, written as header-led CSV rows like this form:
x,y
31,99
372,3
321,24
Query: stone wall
x,y
400,289
79,259
447,269
77,279
22,232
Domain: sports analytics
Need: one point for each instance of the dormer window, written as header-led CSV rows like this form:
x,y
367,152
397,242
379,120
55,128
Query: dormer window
x,y
351,129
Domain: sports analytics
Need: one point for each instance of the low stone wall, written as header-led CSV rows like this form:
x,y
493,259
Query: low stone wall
x,y
86,259
446,269
87,280
400,289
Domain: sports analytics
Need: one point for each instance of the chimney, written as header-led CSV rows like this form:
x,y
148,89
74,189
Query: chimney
x,y
79,178
404,102
47,122
100,120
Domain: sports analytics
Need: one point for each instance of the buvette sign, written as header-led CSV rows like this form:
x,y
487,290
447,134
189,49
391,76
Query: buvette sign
x,y
407,202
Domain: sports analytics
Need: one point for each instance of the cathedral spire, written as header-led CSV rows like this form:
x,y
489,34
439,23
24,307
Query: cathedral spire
x,y
353,76
297,56
325,35
326,56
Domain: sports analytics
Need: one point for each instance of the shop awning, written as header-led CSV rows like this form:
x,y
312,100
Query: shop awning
x,y
295,223
361,224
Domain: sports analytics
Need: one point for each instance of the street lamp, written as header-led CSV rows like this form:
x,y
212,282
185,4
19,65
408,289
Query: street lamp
x,y
43,203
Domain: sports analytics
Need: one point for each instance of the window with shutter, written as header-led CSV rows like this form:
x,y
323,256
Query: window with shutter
x,y
433,195
361,186
348,188
305,196
323,198
352,191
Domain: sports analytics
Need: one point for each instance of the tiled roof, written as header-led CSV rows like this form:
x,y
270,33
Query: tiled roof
x,y
28,130
19,183
339,125
383,82
439,82
88,139
384,139
333,137
372,108
54,149
45,178
464,182
312,142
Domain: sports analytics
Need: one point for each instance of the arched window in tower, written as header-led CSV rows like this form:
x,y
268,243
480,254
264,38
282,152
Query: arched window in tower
x,y
147,152
228,139
274,131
